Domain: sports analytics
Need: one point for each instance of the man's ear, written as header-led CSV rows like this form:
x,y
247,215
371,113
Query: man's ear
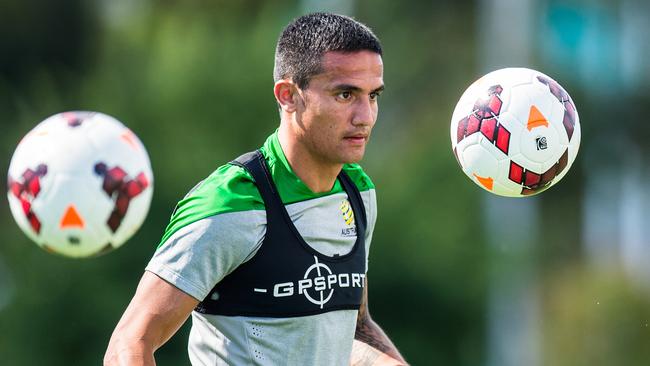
x,y
286,94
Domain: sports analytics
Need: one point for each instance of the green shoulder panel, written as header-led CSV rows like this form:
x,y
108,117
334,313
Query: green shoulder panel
x,y
230,188
359,177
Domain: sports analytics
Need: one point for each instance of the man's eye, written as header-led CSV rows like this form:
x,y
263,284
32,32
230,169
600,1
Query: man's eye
x,y
345,95
374,96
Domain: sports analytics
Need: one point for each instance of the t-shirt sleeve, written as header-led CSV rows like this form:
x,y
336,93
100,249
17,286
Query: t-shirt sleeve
x,y
216,227
197,256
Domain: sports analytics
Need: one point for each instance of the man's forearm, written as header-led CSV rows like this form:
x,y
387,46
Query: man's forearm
x,y
369,333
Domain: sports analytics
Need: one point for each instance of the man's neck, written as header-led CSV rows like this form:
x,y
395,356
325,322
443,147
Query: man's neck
x,y
318,176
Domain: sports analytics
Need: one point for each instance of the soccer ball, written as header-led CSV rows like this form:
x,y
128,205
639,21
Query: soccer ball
x,y
515,132
80,184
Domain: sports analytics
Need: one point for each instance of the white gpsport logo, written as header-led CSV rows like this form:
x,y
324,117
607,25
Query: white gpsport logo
x,y
318,284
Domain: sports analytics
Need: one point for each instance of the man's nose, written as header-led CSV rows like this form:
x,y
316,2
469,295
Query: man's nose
x,y
365,112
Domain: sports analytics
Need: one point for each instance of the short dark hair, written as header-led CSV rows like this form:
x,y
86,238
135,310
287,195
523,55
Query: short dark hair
x,y
305,40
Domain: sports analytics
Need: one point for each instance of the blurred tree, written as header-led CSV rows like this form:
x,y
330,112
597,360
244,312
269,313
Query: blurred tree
x,y
595,318
37,35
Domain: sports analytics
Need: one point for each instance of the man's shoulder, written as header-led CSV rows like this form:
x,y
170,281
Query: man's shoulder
x,y
358,176
229,188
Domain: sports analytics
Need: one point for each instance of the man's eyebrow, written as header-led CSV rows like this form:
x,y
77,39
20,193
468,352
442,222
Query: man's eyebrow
x,y
379,90
346,87
354,88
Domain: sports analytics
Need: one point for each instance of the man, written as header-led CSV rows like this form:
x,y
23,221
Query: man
x,y
269,253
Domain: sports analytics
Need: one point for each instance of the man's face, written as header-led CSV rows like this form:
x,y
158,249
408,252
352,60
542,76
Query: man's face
x,y
339,107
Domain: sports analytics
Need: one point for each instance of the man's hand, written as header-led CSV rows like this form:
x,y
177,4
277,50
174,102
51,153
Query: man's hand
x,y
364,355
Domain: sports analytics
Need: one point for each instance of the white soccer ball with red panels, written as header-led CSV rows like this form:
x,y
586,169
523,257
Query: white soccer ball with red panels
x,y
80,184
515,132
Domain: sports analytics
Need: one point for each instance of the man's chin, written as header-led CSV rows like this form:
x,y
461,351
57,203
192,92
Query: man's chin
x,y
353,158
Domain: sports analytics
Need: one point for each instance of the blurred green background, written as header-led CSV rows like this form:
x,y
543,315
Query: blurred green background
x,y
458,277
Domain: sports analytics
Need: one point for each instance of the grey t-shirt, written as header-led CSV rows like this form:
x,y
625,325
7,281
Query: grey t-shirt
x,y
200,254
221,224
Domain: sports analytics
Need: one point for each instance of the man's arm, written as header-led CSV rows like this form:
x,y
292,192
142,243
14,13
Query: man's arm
x,y
155,313
371,345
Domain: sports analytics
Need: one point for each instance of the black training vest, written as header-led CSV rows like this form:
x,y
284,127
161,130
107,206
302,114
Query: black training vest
x,y
286,277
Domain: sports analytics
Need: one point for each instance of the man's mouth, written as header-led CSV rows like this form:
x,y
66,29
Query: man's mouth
x,y
357,137
357,140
